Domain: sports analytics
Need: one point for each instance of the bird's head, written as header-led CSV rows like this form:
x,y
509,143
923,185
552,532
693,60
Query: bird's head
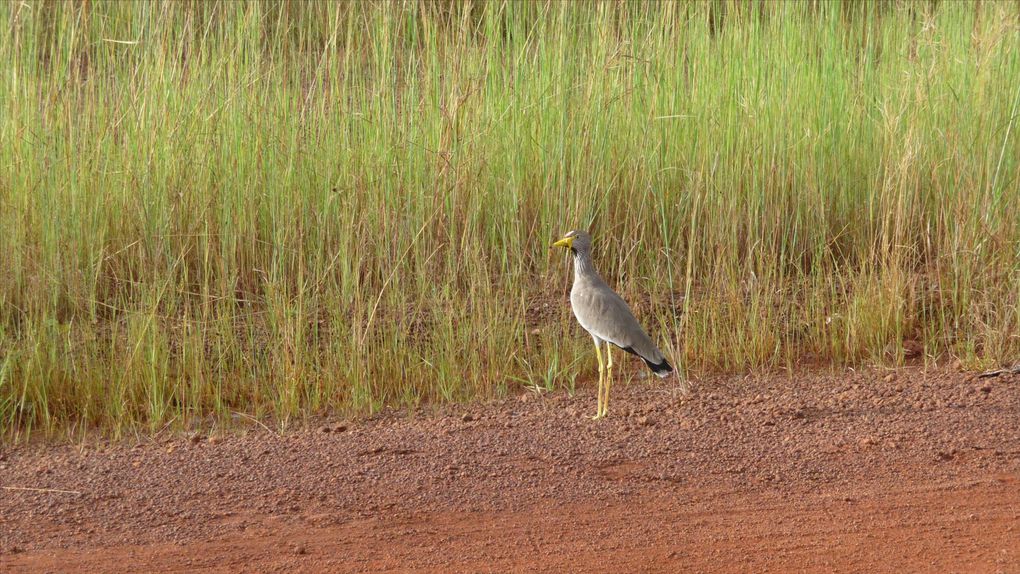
x,y
575,241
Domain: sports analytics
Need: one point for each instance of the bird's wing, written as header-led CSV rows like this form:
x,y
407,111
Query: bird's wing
x,y
606,315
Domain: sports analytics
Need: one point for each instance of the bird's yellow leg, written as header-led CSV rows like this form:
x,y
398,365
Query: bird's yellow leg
x,y
609,378
598,353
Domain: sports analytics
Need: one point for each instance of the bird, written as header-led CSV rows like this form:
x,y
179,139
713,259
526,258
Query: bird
x,y
607,318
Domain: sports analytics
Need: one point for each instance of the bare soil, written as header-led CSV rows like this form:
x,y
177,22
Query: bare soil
x,y
874,471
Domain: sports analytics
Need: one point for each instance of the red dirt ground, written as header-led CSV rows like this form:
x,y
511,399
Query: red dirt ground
x,y
857,472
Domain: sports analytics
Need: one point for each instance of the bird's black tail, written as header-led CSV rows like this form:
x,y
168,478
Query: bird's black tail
x,y
662,370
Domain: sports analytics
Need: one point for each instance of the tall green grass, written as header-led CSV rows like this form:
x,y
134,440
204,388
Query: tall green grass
x,y
278,208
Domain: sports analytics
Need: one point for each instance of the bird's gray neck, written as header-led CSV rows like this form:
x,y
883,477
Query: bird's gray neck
x,y
583,266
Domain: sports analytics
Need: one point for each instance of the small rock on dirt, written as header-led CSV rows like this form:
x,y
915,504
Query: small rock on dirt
x,y
468,417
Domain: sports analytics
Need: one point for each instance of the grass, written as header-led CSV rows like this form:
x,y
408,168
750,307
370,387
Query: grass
x,y
281,209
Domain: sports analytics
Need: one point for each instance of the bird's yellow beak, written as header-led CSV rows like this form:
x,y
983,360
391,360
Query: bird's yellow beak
x,y
567,242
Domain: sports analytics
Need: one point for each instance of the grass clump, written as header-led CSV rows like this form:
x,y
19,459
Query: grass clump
x,y
280,208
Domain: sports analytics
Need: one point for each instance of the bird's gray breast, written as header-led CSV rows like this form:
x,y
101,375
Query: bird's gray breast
x,y
583,305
